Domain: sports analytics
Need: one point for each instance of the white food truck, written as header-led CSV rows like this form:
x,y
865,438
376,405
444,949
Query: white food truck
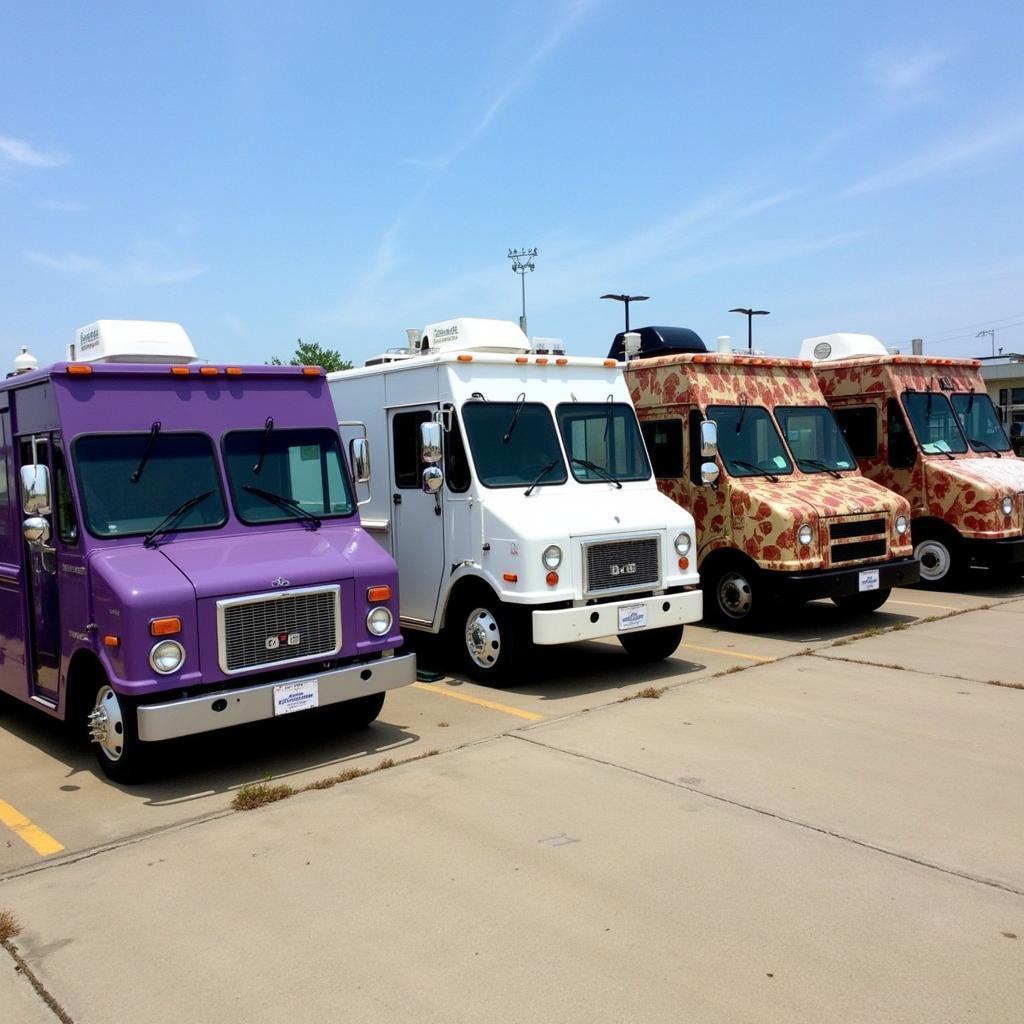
x,y
520,505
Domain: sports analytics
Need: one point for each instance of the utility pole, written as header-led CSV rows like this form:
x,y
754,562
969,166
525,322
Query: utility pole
x,y
750,314
522,264
626,300
991,332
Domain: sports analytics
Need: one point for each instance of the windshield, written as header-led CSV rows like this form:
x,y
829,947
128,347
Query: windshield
x,y
512,443
130,482
934,422
602,440
297,468
815,439
748,441
981,425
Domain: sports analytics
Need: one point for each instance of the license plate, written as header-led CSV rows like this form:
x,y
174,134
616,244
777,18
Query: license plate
x,y
632,616
289,697
868,580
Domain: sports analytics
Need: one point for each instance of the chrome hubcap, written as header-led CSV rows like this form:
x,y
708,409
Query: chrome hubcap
x,y
735,595
106,724
483,638
934,558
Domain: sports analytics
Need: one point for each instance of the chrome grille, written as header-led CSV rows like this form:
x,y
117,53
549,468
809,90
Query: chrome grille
x,y
276,629
622,565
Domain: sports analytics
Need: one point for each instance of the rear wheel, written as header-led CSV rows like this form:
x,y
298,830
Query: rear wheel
x,y
652,645
734,595
861,604
490,639
110,723
939,555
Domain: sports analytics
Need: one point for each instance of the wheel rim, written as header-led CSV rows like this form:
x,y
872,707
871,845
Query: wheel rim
x,y
934,558
735,595
106,724
483,638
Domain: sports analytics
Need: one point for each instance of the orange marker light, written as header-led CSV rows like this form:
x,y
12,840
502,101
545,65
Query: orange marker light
x,y
684,563
311,371
552,578
465,358
180,371
542,360
111,641
522,359
562,362
78,370
209,371
510,577
381,593
167,626
233,371
611,362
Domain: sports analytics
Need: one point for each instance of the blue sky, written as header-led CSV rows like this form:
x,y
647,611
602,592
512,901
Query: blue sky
x,y
340,171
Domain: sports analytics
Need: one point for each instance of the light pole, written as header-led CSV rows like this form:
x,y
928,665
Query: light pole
x,y
991,332
522,264
626,300
750,314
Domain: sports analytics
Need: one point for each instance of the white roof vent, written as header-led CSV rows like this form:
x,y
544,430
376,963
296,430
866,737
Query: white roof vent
x,y
25,362
475,334
548,346
830,347
131,341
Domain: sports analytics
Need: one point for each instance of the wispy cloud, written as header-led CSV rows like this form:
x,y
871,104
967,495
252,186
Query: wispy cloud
x,y
906,74
141,272
950,155
62,205
19,153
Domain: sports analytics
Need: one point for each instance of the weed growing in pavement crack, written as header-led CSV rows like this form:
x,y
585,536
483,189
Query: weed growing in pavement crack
x,y
648,692
9,927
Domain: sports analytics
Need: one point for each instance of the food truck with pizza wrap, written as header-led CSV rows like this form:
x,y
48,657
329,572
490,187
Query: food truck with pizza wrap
x,y
181,549
925,428
782,513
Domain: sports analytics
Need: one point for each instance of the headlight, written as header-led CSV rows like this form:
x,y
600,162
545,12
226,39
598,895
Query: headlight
x,y
1007,506
901,525
166,657
682,543
805,534
378,622
552,556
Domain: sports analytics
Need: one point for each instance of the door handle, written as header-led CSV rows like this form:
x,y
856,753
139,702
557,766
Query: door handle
x,y
396,499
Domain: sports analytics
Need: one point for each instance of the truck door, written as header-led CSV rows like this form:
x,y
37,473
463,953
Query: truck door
x,y
417,518
13,670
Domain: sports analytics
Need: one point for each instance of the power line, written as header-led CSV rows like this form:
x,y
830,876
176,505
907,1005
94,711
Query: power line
x,y
960,337
971,327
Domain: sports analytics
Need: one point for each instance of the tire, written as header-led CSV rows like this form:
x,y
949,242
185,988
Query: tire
x,y
939,555
734,596
490,640
651,645
112,727
862,604
360,712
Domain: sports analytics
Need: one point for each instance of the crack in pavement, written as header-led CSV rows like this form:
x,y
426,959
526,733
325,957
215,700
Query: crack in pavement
x,y
22,967
916,671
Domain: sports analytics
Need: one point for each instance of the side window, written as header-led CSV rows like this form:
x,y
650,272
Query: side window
x,y
859,425
456,463
67,519
405,437
664,440
902,450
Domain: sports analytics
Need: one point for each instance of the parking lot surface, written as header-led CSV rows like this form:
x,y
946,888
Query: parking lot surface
x,y
821,822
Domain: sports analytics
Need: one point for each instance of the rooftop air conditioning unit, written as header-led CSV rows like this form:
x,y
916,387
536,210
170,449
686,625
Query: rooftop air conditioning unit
x,y
132,341
830,347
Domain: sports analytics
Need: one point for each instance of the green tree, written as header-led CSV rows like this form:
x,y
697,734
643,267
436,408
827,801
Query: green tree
x,y
310,353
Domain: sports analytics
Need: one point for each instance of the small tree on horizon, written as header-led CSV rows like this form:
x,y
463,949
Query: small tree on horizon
x,y
310,353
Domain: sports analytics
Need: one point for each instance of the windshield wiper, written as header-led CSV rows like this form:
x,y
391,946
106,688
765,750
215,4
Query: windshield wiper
x,y
146,452
986,447
267,428
820,465
288,504
540,476
172,517
587,464
515,417
758,471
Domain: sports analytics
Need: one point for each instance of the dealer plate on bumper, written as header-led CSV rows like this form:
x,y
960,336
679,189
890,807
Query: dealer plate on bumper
x,y
632,616
868,580
300,696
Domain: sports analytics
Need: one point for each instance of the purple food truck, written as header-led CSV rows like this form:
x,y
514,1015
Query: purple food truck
x,y
181,549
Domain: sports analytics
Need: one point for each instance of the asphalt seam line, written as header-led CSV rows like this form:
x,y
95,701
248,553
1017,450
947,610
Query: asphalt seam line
x,y
916,671
772,814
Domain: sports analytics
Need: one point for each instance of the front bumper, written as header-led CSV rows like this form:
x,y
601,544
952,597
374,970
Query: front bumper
x,y
807,586
593,621
255,703
995,553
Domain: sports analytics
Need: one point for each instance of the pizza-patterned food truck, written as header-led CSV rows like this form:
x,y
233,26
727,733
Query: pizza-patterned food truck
x,y
783,514
925,428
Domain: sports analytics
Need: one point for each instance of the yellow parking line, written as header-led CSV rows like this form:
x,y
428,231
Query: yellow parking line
x,y
40,841
729,654
530,716
922,604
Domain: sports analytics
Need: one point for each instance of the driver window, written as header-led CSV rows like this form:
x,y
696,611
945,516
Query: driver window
x,y
405,434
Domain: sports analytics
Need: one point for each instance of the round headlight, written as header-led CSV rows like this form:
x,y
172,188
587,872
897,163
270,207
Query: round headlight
x,y
378,622
805,534
901,525
1007,506
166,657
552,556
682,543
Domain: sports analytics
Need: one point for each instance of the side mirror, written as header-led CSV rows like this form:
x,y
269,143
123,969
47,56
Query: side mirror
x,y
709,472
433,478
708,439
36,530
35,490
430,442
359,459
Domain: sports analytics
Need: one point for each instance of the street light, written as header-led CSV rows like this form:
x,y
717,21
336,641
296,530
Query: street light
x,y
522,264
750,314
626,300
992,334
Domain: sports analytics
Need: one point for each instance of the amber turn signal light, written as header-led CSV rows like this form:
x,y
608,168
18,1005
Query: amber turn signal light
x,y
552,578
111,641
510,577
684,563
167,626
382,593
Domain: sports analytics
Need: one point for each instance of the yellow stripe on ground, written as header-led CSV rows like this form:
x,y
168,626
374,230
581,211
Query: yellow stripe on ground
x,y
728,654
922,604
444,691
40,841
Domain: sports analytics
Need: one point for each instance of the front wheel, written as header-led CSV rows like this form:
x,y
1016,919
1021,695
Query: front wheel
x,y
734,596
111,726
940,560
490,640
861,604
652,645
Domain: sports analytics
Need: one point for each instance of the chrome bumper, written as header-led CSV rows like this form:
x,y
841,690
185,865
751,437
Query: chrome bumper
x,y
255,703
593,621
